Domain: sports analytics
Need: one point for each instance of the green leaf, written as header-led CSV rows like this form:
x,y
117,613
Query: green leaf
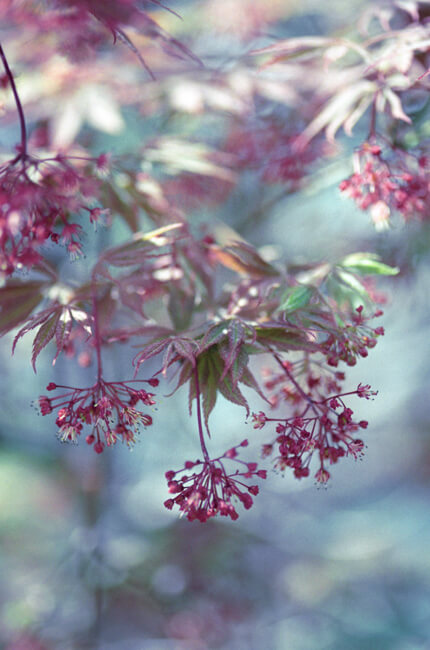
x,y
187,349
367,264
213,378
296,298
233,394
353,284
251,348
230,349
238,366
208,381
214,334
347,290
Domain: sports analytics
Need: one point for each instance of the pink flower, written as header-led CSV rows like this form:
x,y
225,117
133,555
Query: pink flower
x,y
320,425
259,420
39,198
398,182
365,391
105,407
210,490
45,405
322,476
380,213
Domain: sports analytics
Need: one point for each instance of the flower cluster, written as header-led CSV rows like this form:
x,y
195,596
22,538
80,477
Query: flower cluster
x,y
209,490
318,425
400,185
109,408
37,201
355,341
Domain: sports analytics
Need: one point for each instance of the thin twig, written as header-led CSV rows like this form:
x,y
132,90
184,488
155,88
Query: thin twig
x,y
23,152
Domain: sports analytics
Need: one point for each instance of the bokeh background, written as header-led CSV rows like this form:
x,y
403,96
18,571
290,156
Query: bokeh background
x,y
89,558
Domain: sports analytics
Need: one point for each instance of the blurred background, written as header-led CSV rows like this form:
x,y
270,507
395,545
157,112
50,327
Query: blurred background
x,y
90,558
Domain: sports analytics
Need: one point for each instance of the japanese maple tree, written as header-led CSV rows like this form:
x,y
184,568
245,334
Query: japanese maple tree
x,y
198,302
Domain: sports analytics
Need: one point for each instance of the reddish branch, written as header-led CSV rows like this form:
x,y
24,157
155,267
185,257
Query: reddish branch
x,y
23,147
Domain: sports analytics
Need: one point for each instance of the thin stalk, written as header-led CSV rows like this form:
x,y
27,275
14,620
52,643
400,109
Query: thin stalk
x,y
352,392
199,415
372,126
96,330
297,386
293,381
23,152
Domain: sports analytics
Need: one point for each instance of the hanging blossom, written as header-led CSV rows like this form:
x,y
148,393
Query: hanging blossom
x,y
354,341
39,196
320,425
37,201
349,344
108,408
399,185
209,490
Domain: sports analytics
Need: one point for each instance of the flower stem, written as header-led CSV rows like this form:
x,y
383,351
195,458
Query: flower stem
x,y
312,403
96,332
199,415
293,381
23,147
372,126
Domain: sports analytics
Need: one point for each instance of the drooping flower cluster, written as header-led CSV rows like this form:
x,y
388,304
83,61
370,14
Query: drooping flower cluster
x,y
357,338
37,201
319,425
209,490
109,408
401,184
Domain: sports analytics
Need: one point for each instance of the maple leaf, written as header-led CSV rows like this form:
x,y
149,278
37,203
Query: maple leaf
x,y
57,321
243,258
17,300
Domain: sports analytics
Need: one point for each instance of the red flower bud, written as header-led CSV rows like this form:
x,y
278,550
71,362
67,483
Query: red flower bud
x,y
98,447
